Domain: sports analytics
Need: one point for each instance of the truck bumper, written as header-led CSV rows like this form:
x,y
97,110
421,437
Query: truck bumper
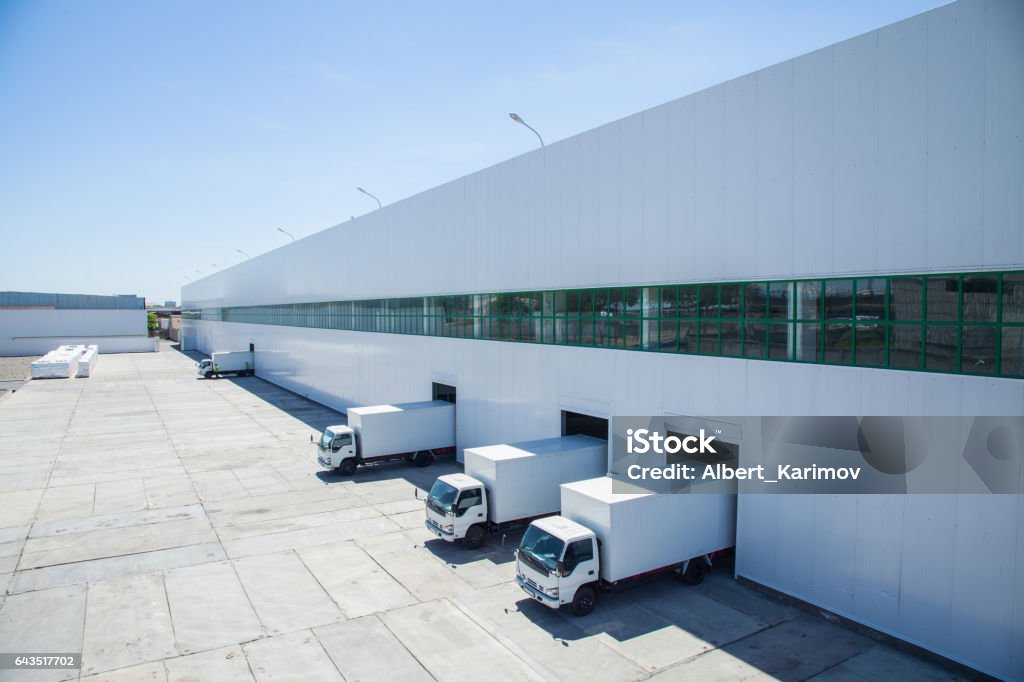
x,y
323,463
537,595
439,532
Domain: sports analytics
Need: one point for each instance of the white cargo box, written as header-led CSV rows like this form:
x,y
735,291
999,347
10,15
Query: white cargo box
x,y
645,532
522,479
233,361
60,363
87,361
408,427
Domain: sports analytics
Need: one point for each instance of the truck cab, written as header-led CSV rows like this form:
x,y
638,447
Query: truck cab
x,y
558,563
336,449
456,509
205,368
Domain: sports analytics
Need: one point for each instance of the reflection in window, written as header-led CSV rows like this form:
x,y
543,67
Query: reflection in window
x,y
808,302
980,298
978,349
907,300
870,344
905,346
708,301
1013,298
871,299
778,340
839,299
940,347
731,300
708,338
754,340
755,300
839,344
942,298
1012,358
807,342
732,341
779,295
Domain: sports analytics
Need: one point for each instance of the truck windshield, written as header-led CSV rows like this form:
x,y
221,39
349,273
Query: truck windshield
x,y
540,549
442,497
326,438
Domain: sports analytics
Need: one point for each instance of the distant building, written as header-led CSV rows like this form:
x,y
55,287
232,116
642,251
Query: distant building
x,y
32,323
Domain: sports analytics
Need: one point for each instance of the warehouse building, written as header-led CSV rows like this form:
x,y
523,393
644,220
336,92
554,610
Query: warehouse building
x,y
33,323
838,234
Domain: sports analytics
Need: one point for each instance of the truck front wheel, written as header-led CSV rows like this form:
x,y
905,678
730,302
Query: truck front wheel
x,y
584,601
423,458
347,466
207,374
475,537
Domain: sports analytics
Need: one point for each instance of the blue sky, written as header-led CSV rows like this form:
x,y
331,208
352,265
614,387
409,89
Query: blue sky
x,y
143,141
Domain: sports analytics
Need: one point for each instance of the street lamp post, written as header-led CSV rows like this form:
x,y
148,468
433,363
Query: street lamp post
x,y
518,119
360,189
282,231
243,253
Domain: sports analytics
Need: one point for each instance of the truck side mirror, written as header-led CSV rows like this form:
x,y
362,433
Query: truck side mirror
x,y
311,438
560,568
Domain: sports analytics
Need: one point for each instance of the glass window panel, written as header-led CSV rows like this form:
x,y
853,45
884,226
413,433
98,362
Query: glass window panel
x,y
870,340
754,339
807,342
572,331
871,299
631,302
586,331
755,300
632,333
602,332
1011,359
1013,297
940,346
562,303
778,340
601,303
942,298
586,303
839,299
707,297
732,340
615,303
732,297
687,298
839,344
668,302
779,297
905,346
707,341
651,302
907,298
978,348
808,300
687,336
668,336
980,298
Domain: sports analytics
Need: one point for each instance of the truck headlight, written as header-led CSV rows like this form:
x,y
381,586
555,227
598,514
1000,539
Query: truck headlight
x,y
449,528
551,592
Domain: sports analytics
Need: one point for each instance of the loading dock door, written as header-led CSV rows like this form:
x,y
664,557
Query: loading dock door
x,y
574,423
444,392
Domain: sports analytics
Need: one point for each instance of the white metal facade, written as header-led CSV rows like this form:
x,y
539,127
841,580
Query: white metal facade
x,y
35,332
901,150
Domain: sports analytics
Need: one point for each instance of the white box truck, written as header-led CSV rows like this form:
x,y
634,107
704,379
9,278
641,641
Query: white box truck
x,y
509,485
237,362
416,432
603,539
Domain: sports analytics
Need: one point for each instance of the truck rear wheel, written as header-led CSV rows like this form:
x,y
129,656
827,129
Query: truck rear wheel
x,y
423,458
695,571
347,466
584,601
475,537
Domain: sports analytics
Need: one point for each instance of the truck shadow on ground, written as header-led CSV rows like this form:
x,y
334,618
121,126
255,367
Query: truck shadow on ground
x,y
419,477
454,554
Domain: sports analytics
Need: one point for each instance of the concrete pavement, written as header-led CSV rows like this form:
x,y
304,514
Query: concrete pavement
x,y
170,528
